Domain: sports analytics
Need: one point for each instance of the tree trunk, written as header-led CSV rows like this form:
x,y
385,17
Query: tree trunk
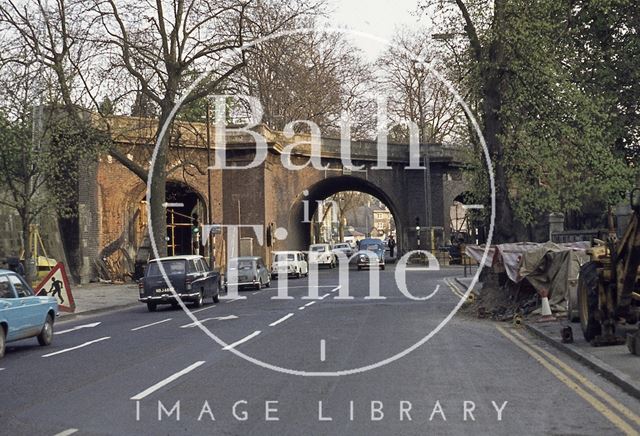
x,y
158,182
505,227
29,265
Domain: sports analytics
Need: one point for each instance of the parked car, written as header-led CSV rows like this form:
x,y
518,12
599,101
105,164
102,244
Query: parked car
x,y
190,276
368,247
343,247
22,314
289,262
321,254
251,271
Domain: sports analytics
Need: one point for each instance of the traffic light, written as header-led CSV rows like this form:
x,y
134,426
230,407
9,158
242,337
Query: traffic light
x,y
195,224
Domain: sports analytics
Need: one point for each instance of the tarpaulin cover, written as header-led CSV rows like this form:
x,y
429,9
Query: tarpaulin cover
x,y
550,266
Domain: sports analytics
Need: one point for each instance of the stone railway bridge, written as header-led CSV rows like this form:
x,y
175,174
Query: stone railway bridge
x,y
112,198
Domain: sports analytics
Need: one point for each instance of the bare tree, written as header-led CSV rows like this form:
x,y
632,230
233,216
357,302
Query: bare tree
x,y
312,76
415,93
345,202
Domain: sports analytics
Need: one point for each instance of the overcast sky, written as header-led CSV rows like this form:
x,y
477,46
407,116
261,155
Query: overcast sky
x,y
377,17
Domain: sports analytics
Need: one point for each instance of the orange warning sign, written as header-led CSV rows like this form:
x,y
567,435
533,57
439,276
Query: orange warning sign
x,y
56,285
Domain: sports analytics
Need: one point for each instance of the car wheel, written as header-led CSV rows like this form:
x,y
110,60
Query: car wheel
x,y
298,274
46,334
3,342
200,301
259,285
152,307
268,284
216,297
382,267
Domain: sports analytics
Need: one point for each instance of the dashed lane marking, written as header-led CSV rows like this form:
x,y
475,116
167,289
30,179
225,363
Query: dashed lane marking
x,y
152,324
283,319
245,339
166,381
86,344
67,432
206,308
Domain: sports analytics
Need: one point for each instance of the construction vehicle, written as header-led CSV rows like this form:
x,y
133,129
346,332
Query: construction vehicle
x,y
609,287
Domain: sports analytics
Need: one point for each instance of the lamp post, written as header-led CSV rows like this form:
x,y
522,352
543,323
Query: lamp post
x,y
209,200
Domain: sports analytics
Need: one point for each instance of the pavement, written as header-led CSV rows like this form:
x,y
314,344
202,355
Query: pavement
x,y
97,297
306,366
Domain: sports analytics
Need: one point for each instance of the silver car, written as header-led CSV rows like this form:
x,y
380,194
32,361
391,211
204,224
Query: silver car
x,y
248,271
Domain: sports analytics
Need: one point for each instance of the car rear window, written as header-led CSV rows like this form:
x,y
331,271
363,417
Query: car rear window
x,y
283,257
177,266
318,248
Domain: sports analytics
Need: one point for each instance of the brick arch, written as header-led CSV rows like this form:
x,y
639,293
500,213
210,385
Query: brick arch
x,y
299,231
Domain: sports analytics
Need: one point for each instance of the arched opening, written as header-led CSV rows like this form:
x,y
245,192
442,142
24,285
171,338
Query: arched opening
x,y
185,208
309,216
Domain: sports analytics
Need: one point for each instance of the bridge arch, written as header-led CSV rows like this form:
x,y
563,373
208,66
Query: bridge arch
x,y
299,225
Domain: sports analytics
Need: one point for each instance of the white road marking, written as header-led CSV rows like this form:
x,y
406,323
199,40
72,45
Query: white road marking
x,y
1,369
85,326
152,324
322,350
219,318
256,292
309,304
77,346
166,381
245,339
284,318
301,308
307,287
206,308
67,432
235,299
324,296
224,318
335,289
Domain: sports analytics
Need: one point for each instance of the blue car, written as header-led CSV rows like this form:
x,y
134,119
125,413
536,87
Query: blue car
x,y
22,314
371,253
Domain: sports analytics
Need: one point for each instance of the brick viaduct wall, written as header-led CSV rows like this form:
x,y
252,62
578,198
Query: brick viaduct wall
x,y
114,214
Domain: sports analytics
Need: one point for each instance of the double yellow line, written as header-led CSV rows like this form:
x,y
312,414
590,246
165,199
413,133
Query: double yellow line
x,y
592,394
458,292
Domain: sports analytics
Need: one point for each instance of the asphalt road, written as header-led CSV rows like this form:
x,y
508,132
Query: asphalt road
x,y
151,373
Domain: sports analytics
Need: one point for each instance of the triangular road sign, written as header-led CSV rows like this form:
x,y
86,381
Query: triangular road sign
x,y
56,284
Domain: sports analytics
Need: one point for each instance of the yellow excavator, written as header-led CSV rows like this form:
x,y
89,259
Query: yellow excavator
x,y
609,287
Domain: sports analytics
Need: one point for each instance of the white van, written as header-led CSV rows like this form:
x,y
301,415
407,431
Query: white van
x,y
292,262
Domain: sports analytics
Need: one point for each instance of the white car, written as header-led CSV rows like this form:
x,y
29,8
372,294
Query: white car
x,y
343,247
289,262
321,254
